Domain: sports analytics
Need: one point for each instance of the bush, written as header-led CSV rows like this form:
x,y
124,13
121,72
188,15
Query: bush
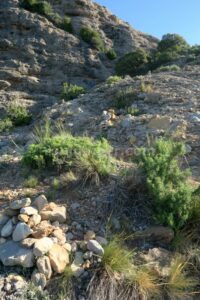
x,y
67,24
111,54
31,182
173,42
63,151
71,91
133,111
19,115
5,125
92,37
134,63
168,68
40,7
124,98
113,79
167,183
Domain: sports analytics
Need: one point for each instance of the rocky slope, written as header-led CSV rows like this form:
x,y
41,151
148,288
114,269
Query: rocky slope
x,y
37,57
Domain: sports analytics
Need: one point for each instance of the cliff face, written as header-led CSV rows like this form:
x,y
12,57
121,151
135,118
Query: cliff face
x,y
37,57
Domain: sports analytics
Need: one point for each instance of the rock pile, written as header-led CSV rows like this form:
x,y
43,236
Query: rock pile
x,y
34,234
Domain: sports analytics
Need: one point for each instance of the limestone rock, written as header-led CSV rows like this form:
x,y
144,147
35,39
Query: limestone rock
x,y
59,258
28,243
3,219
17,204
39,279
68,247
42,246
23,218
58,213
21,231
76,266
101,240
58,233
29,210
7,229
40,202
12,254
42,230
90,235
44,266
34,220
95,247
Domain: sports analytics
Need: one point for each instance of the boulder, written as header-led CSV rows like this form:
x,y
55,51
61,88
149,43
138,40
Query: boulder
x,y
59,258
29,210
34,220
59,234
59,214
90,235
42,230
7,229
42,246
21,231
11,212
95,247
12,254
40,202
44,266
3,219
17,204
101,240
23,218
28,243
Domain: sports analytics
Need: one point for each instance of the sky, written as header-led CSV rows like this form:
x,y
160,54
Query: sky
x,y
158,17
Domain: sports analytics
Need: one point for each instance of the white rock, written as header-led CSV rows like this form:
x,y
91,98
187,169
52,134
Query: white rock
x,y
95,247
21,232
42,246
29,210
40,202
17,204
7,229
34,220
44,266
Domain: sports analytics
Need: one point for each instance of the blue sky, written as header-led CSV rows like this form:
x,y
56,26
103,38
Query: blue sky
x,y
158,17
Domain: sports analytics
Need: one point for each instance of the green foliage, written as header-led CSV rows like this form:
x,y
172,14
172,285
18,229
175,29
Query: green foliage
x,y
64,151
116,258
111,54
71,91
168,68
18,114
67,24
134,63
173,42
40,7
166,182
31,292
133,111
31,182
92,37
124,98
5,125
113,79
146,88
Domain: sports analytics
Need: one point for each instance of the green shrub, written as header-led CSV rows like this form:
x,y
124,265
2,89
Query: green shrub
x,y
19,115
111,54
173,42
67,24
56,19
168,68
92,37
71,91
92,158
31,182
133,111
5,125
166,182
113,79
134,63
40,7
124,98
165,57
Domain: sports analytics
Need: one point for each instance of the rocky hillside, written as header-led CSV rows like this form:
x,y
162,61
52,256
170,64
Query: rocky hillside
x,y
37,57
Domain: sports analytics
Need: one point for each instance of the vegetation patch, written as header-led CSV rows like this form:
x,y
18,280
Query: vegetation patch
x,y
92,37
124,98
5,125
166,182
113,79
71,91
111,54
64,151
18,114
168,68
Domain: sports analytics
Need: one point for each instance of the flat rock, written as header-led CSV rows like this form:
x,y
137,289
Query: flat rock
x,y
29,210
42,246
40,202
7,229
95,247
28,243
12,254
21,231
59,258
17,204
44,266
59,214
